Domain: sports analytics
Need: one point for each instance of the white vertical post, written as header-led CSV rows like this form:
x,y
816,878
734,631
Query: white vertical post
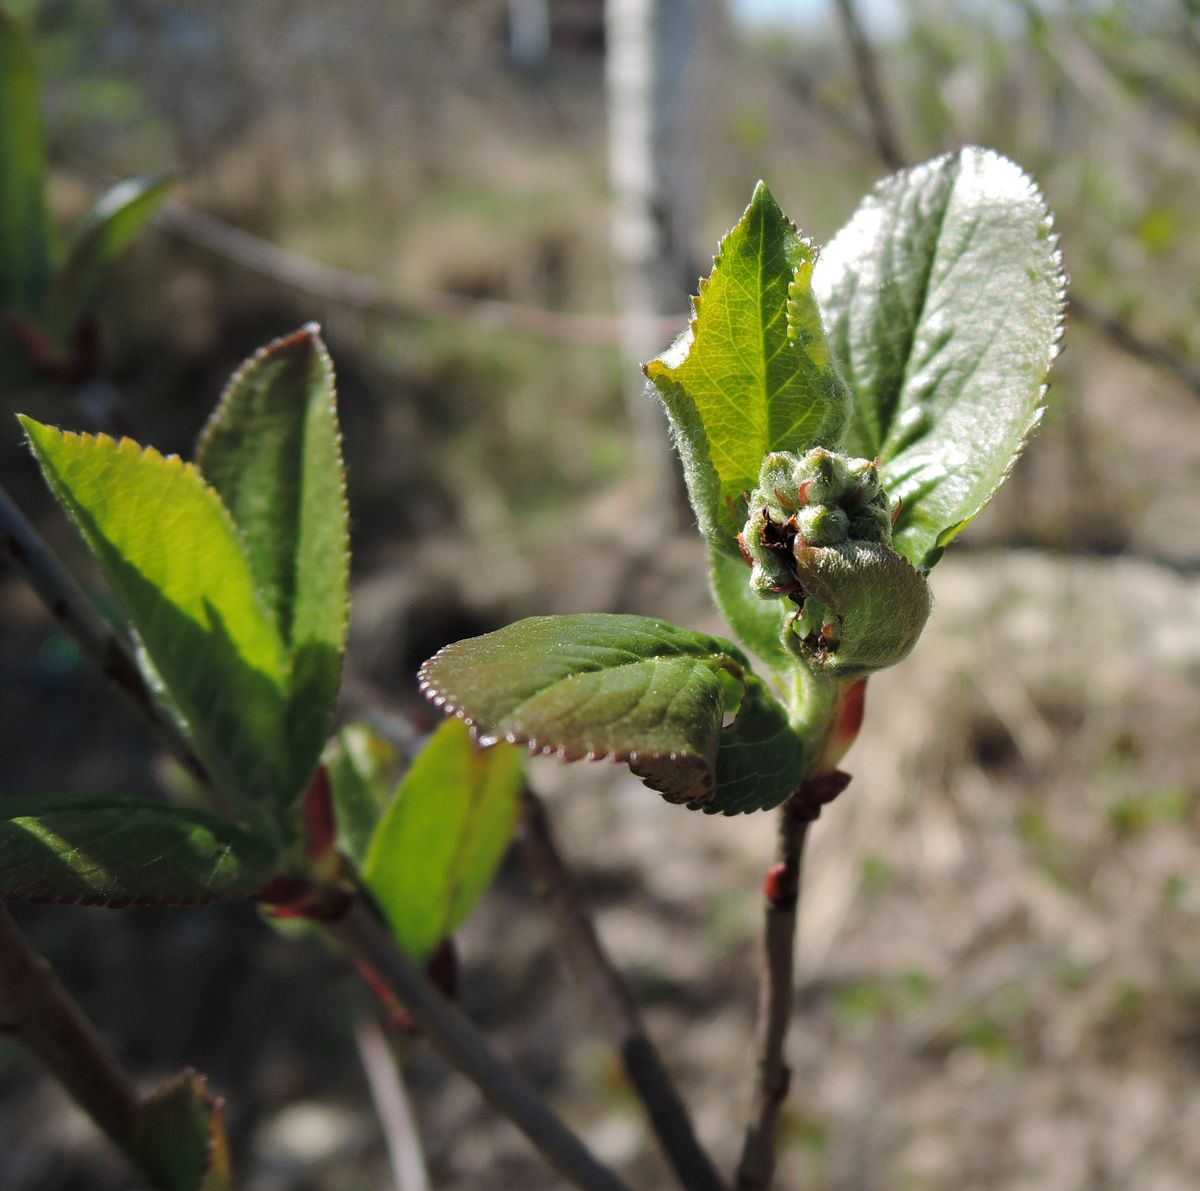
x,y
643,274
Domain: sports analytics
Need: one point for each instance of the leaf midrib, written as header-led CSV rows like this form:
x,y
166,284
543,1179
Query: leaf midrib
x,y
911,337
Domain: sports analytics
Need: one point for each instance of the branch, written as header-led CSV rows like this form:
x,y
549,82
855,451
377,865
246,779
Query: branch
x,y
392,1107
886,148
464,1047
612,1000
72,608
1148,351
782,893
39,1013
366,293
866,69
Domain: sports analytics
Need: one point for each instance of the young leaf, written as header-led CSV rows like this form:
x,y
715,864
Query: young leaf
x,y
272,450
112,851
361,767
758,623
632,689
26,245
438,844
181,1142
173,559
943,299
101,235
752,374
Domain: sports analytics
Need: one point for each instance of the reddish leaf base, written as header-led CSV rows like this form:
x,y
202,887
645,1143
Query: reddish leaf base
x,y
442,970
294,897
320,828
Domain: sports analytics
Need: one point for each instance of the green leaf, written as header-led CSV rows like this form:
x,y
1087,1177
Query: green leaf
x,y
272,450
631,689
758,623
438,845
101,235
113,851
180,1140
361,767
26,241
752,374
171,554
943,299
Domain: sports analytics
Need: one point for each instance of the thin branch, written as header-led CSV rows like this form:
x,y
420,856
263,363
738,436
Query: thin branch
x,y
464,1047
885,147
866,68
782,896
38,1012
74,610
348,288
1148,351
391,1107
612,1000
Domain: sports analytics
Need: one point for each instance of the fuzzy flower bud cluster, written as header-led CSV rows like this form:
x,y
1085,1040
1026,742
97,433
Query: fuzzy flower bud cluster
x,y
819,534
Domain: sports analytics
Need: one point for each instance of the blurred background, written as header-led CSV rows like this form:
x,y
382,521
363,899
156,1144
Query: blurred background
x,y
495,209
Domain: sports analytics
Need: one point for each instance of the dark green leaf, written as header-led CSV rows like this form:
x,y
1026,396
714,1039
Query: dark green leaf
x,y
943,299
362,768
181,1139
752,374
100,236
438,844
272,450
124,851
631,689
26,244
172,556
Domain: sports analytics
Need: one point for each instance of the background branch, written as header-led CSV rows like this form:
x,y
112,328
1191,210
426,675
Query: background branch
x,y
39,1013
463,1047
366,293
611,999
386,1082
886,148
866,69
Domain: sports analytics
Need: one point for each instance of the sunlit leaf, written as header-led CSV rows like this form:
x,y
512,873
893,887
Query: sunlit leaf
x,y
943,300
171,554
272,450
752,373
437,846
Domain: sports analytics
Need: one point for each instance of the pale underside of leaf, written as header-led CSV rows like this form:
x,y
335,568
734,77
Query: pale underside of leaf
x,y
943,300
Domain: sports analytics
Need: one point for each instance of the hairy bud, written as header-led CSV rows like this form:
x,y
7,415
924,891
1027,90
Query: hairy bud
x,y
819,534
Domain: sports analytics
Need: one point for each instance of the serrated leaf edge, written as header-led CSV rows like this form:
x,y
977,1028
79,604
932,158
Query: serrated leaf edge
x,y
129,446
310,333
1032,190
537,748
